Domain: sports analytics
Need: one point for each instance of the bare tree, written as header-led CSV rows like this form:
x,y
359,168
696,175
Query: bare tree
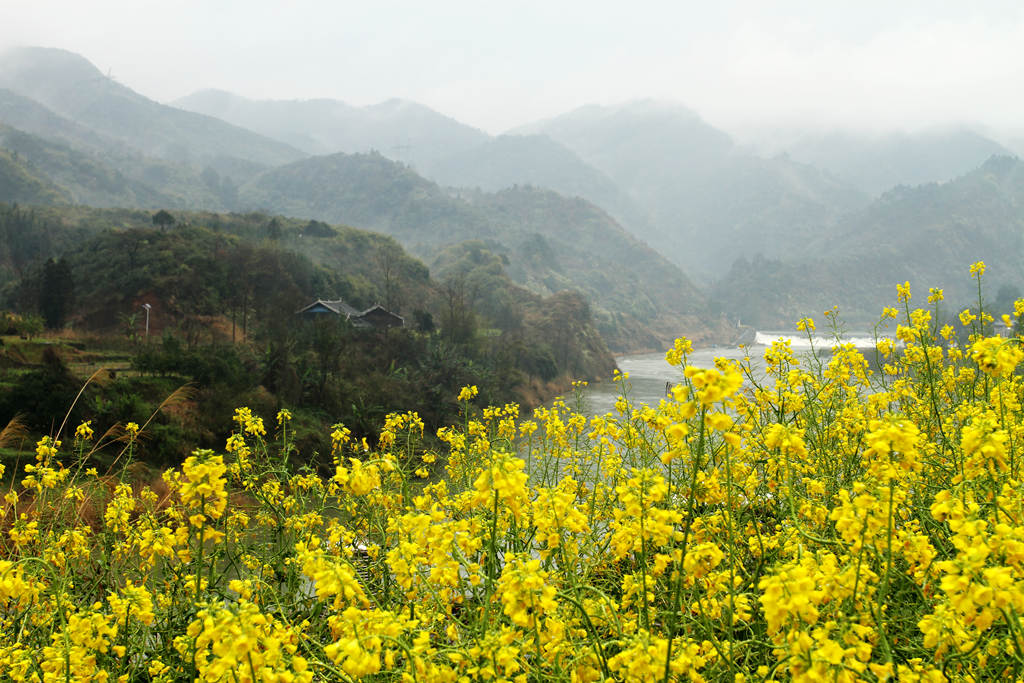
x,y
389,267
459,319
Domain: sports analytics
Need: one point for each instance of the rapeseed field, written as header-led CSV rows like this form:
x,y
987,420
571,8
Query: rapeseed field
x,y
819,521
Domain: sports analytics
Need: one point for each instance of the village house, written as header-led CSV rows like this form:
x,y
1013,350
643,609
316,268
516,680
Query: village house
x,y
375,316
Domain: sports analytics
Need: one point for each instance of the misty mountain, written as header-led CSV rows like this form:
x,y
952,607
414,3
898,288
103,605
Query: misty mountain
x,y
436,146
709,201
99,170
398,129
29,116
875,164
72,87
630,142
549,242
509,160
927,234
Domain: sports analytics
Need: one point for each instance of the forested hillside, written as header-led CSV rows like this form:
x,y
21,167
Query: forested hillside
x,y
88,179
21,182
209,264
223,291
100,170
550,242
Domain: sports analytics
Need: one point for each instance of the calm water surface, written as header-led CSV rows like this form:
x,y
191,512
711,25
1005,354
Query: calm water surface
x,y
649,372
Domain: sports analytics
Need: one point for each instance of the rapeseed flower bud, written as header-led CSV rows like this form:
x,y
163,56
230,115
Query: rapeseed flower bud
x,y
903,292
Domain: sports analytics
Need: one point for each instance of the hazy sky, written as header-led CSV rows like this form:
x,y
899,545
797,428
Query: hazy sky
x,y
497,65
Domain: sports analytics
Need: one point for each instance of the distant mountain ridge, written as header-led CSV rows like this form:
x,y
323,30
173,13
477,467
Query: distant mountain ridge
x,y
71,86
877,163
670,178
87,147
436,146
399,129
510,160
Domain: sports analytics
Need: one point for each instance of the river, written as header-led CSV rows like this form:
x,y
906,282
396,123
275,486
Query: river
x,y
648,372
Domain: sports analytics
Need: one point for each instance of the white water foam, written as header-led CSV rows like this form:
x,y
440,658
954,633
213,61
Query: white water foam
x,y
799,340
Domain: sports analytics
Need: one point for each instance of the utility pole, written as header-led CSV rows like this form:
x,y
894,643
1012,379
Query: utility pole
x,y
147,307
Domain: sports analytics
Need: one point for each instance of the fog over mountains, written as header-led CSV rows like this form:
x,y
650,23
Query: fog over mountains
x,y
666,223
875,163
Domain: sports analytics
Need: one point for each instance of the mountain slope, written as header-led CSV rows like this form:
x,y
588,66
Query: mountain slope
x,y
551,243
86,179
71,86
99,170
20,183
28,115
510,160
633,142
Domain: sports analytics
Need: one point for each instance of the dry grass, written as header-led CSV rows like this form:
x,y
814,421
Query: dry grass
x,y
14,433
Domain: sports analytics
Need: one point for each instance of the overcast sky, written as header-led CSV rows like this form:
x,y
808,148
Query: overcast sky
x,y
497,65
